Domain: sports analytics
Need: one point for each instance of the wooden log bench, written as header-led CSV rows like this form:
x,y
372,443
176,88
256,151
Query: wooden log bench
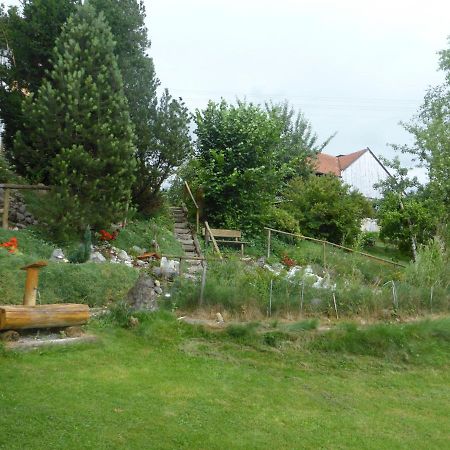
x,y
225,237
20,317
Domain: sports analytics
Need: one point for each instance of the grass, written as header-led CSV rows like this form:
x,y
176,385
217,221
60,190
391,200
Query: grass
x,y
167,385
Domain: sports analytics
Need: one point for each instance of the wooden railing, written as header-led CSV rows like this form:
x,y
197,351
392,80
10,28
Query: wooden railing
x,y
6,197
197,209
209,234
324,243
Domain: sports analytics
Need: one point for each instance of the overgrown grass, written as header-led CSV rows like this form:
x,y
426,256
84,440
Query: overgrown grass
x,y
141,232
244,289
166,385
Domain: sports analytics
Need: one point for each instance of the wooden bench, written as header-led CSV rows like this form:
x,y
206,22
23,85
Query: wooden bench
x,y
226,237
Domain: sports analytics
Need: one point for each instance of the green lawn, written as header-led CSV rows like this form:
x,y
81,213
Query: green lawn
x,y
166,385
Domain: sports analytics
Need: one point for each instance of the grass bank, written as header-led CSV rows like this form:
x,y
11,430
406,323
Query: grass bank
x,y
167,385
90,283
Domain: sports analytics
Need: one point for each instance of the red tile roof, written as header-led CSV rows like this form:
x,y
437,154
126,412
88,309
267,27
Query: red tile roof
x,y
328,164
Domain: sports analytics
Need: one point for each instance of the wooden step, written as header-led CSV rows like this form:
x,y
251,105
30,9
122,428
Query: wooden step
x,y
188,248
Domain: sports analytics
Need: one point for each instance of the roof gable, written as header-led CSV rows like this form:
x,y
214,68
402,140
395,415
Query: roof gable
x,y
335,165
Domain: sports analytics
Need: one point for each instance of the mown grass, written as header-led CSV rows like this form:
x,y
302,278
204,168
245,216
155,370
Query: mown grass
x,y
167,385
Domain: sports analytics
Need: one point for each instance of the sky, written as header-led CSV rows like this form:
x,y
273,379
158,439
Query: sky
x,y
355,67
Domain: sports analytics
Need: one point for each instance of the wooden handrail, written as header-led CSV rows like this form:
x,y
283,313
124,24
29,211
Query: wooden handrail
x,y
213,239
321,241
197,212
35,187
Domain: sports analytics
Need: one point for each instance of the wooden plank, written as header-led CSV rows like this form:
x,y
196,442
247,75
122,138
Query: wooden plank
x,y
36,187
218,232
14,317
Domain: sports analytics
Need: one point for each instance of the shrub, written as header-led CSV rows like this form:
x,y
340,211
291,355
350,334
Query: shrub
x,y
326,208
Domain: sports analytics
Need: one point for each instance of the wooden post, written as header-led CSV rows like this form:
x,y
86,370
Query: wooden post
x,y
202,289
5,209
197,218
324,257
31,282
268,243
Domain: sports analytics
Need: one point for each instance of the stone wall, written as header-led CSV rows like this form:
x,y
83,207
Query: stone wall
x,y
18,215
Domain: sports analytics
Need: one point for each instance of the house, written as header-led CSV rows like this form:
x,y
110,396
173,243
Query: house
x,y
361,170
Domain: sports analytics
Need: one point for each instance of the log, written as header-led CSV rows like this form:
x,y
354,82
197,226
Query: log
x,y
42,316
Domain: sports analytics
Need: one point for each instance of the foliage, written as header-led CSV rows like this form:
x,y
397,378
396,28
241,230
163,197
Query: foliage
x,y
27,40
235,166
161,126
168,147
6,173
411,217
431,267
299,144
82,253
78,135
430,129
280,219
326,208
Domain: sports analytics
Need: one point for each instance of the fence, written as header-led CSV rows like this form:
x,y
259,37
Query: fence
x,y
324,244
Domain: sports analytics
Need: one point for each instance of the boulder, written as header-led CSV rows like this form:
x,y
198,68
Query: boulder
x,y
97,257
142,295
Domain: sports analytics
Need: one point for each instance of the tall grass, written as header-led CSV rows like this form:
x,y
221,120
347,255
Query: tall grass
x,y
240,288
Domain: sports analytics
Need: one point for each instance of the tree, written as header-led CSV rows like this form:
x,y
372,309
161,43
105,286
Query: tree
x,y
161,126
169,147
299,144
431,131
326,208
27,40
78,135
235,165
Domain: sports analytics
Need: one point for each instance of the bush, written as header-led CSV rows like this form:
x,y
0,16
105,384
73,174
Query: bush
x,y
280,219
326,208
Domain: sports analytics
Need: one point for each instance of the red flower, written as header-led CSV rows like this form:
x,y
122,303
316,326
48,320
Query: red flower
x,y
106,236
288,261
12,245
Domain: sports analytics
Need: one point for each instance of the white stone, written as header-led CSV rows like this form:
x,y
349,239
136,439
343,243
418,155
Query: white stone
x,y
58,256
97,257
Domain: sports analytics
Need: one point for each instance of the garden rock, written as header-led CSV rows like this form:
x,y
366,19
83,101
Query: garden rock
x,y
97,257
58,256
142,295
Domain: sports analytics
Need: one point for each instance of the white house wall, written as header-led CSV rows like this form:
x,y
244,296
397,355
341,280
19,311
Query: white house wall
x,y
363,174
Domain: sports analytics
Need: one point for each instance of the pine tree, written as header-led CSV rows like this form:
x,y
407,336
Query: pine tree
x,y
78,134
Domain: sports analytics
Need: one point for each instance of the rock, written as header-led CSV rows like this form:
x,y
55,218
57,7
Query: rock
x,y
123,255
20,216
219,318
21,208
97,257
58,255
294,270
158,290
169,267
9,336
261,261
133,322
73,332
140,263
138,250
156,271
157,283
142,295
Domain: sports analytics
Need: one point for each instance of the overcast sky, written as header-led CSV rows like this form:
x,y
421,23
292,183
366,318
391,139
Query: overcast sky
x,y
355,67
